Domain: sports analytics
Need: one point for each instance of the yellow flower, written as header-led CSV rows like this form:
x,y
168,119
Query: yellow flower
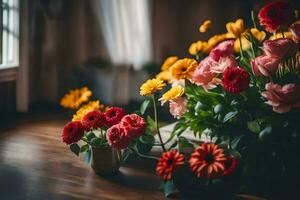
x,y
74,98
165,76
197,47
183,68
90,106
257,34
287,35
172,94
213,41
245,44
205,26
168,63
235,28
151,86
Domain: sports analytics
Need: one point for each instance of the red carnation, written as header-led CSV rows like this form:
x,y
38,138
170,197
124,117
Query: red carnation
x,y
230,165
167,164
276,15
114,115
117,137
134,124
73,132
93,120
235,80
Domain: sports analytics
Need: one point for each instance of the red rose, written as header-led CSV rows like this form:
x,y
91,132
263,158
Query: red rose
x,y
117,137
230,165
114,115
134,124
72,132
93,120
276,15
235,80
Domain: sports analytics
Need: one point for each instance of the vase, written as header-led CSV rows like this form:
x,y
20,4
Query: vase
x,y
105,160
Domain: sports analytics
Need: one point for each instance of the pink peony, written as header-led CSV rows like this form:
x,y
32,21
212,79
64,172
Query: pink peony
x,y
223,63
295,30
282,48
224,49
265,65
282,98
203,76
117,137
178,107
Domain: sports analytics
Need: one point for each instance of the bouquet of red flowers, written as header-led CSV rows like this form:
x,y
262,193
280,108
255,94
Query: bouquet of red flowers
x,y
241,90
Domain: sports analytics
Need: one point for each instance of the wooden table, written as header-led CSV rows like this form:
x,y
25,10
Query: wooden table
x,y
35,164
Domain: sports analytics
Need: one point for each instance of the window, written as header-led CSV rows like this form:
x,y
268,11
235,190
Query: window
x,y
9,34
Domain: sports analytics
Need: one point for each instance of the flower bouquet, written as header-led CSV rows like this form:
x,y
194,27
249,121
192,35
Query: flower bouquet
x,y
107,134
241,90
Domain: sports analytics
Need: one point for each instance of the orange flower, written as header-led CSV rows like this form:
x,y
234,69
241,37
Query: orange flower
x,y
183,68
207,161
168,63
167,163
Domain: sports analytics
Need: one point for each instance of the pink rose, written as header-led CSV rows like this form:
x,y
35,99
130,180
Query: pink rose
x,y
282,98
265,65
282,48
223,63
224,49
178,107
117,137
203,76
295,30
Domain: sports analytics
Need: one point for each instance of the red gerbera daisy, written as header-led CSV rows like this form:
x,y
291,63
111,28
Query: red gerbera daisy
x,y
276,15
72,132
93,120
134,125
235,80
167,163
207,161
230,165
114,115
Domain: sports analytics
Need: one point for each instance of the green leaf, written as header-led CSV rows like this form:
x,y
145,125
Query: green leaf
x,y
125,154
229,116
87,156
90,135
265,133
169,188
219,108
144,106
75,148
151,123
147,139
253,126
84,148
235,142
184,143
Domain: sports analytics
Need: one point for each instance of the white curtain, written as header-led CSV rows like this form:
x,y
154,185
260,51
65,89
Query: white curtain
x,y
126,27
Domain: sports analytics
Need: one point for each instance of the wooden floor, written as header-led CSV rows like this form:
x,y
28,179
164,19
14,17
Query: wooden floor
x,y
35,164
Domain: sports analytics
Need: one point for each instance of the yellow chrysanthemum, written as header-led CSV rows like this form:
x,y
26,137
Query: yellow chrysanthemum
x,y
205,26
168,63
183,68
172,94
151,86
236,28
197,47
74,98
90,106
164,76
279,35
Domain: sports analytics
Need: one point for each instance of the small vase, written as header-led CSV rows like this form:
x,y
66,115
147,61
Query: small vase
x,y
105,160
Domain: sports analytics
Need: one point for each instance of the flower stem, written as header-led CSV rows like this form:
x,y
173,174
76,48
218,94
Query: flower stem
x,y
252,18
85,140
241,47
156,124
